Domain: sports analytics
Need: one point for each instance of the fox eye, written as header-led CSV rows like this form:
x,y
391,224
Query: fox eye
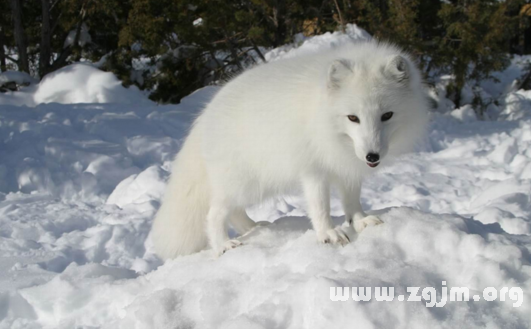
x,y
353,118
387,116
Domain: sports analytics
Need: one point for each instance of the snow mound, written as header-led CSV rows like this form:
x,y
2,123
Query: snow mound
x,y
83,83
281,278
144,187
20,78
309,45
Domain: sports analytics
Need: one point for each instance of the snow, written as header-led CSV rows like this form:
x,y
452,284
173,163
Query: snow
x,y
73,84
307,45
83,167
198,22
465,113
19,78
84,37
82,83
139,188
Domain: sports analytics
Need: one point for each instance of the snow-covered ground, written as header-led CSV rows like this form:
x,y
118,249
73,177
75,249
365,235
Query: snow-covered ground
x,y
83,164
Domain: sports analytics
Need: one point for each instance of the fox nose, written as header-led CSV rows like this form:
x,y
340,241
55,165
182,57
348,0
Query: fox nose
x,y
372,157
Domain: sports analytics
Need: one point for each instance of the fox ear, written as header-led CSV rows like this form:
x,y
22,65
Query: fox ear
x,y
339,70
397,68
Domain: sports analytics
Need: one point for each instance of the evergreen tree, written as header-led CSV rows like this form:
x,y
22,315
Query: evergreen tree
x,y
475,40
173,47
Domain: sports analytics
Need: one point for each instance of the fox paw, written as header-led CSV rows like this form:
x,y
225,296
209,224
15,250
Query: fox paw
x,y
228,245
361,224
262,223
256,226
334,236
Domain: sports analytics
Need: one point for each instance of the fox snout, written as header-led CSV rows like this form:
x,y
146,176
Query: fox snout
x,y
373,159
371,150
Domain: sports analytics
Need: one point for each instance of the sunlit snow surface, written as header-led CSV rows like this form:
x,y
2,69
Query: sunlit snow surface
x,y
80,183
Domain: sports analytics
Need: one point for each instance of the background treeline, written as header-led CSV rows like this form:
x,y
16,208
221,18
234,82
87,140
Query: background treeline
x,y
173,47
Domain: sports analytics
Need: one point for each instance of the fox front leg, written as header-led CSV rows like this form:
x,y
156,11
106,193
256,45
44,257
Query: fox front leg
x,y
354,214
317,193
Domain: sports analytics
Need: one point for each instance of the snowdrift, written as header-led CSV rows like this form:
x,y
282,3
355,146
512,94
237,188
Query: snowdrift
x,y
281,278
73,84
83,83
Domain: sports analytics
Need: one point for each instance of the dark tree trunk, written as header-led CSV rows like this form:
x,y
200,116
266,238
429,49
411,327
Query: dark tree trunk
x,y
20,36
257,50
61,60
44,61
3,66
457,98
63,57
527,39
279,18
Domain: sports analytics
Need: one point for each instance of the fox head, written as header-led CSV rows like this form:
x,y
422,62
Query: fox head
x,y
378,104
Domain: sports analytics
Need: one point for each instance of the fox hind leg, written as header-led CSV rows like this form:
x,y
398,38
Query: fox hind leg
x,y
217,233
240,221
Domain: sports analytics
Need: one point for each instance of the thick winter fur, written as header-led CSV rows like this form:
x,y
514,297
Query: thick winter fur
x,y
285,125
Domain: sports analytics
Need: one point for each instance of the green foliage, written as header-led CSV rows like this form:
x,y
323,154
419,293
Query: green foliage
x,y
475,41
466,38
172,47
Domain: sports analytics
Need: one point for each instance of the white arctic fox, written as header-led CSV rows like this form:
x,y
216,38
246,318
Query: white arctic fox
x,y
309,122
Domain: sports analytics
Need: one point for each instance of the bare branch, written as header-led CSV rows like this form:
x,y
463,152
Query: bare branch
x,y
341,21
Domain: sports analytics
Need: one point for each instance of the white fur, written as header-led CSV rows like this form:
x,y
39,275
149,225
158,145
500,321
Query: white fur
x,y
282,126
